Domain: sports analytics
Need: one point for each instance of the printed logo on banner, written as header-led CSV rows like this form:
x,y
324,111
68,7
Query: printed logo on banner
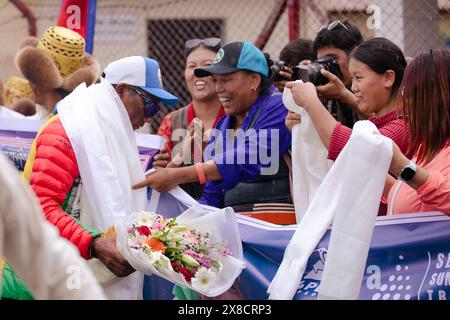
x,y
395,286
404,279
429,281
437,279
309,286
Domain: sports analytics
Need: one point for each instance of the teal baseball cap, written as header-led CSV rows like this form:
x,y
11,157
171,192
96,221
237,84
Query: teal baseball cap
x,y
236,56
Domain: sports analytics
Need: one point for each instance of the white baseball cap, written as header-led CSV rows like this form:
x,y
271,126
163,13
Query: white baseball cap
x,y
140,72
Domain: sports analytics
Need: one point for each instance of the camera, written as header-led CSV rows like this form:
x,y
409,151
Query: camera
x,y
308,72
311,72
275,69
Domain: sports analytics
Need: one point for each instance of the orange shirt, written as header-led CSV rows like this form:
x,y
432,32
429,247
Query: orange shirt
x,y
433,195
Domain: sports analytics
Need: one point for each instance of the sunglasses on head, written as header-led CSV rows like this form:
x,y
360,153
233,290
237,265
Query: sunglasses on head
x,y
333,24
151,107
214,43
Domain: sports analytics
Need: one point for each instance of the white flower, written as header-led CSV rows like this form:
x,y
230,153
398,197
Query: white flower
x,y
203,280
145,218
158,259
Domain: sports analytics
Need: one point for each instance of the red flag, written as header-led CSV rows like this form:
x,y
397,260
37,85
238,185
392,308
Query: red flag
x,y
79,16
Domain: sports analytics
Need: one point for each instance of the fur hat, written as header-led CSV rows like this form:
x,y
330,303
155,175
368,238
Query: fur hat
x,y
15,89
25,106
57,60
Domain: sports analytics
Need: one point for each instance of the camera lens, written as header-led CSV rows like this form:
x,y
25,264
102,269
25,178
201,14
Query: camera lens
x,y
310,73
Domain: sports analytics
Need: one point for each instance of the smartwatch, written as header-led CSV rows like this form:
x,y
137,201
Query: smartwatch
x,y
408,172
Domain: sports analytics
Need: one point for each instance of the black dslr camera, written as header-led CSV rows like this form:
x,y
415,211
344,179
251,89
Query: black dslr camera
x,y
275,69
311,72
308,72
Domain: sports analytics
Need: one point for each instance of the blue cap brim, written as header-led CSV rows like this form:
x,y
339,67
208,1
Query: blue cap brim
x,y
207,71
164,96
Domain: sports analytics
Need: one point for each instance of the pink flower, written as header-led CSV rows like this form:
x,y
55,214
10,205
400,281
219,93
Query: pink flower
x,y
225,250
191,238
157,225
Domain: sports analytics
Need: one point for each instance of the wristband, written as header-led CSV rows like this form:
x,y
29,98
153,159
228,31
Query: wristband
x,y
200,173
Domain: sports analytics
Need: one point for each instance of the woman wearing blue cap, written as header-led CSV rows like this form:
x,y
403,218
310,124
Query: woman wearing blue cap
x,y
243,160
246,167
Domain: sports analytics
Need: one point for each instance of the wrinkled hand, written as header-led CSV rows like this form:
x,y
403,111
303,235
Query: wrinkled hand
x,y
334,89
161,159
292,119
106,251
162,180
304,94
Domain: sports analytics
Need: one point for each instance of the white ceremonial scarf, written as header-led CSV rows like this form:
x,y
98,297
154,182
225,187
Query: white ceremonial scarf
x,y
102,138
6,113
349,196
309,158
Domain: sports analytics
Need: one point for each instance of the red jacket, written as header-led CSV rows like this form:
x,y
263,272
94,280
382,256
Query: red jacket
x,y
54,171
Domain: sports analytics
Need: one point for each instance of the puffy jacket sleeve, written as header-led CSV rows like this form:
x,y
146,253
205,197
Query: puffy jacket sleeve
x,y
54,171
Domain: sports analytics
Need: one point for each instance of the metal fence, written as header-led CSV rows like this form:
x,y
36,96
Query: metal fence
x,y
159,28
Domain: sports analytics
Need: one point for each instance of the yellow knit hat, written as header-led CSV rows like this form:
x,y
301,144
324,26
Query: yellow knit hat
x,y
15,89
65,46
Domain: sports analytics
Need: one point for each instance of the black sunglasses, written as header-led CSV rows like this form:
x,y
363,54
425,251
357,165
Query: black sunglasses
x,y
150,107
214,43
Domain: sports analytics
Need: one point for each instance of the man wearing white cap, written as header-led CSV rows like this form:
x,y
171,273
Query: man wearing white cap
x,y
86,160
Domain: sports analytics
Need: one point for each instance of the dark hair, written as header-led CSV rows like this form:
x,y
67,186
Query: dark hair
x,y
381,55
426,102
296,51
266,82
339,37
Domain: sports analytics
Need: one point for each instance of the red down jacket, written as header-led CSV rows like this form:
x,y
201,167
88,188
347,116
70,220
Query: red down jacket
x,y
54,171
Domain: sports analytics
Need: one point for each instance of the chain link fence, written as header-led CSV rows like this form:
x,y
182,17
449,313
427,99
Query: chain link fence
x,y
159,28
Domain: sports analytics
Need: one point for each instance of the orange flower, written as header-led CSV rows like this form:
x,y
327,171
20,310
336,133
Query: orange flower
x,y
155,245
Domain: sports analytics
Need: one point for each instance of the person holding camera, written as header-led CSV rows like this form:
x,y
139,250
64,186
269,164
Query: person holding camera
x,y
336,40
376,67
330,72
296,52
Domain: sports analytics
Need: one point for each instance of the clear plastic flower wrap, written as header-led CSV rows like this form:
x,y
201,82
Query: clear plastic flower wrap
x,y
200,249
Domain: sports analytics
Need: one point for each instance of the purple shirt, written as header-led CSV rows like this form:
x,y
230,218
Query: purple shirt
x,y
257,149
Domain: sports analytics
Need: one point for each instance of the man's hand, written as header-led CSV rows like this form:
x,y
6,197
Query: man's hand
x,y
334,89
162,180
292,119
106,251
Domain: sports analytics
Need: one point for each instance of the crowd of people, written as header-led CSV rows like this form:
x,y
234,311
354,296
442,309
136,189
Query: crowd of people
x,y
230,146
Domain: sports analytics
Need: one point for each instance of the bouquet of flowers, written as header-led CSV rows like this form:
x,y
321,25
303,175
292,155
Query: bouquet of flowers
x,y
186,250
